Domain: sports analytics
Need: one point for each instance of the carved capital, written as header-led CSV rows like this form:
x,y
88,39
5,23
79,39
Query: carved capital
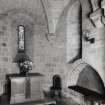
x,y
50,36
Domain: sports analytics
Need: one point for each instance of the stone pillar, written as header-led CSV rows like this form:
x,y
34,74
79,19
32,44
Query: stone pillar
x,y
73,32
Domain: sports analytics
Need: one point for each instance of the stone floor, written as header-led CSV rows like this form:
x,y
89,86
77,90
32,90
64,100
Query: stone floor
x,y
59,101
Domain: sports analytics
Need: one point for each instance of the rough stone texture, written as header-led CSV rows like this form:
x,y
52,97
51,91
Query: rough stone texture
x,y
48,55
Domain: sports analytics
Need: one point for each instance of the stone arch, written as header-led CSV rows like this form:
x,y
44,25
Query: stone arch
x,y
86,80
72,77
20,15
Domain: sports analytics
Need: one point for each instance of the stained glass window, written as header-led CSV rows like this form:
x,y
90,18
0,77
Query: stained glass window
x,y
21,38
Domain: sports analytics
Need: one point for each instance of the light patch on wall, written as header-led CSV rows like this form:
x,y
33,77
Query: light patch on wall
x,y
74,32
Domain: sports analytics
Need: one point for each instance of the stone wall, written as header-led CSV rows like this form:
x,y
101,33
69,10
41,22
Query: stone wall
x,y
93,53
50,32
46,52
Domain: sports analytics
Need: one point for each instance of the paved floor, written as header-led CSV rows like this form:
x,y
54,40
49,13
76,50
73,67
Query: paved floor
x,y
59,101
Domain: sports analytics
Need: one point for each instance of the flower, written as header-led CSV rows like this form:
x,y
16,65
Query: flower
x,y
25,66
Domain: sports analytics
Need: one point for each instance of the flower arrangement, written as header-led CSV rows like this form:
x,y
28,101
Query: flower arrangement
x,y
25,66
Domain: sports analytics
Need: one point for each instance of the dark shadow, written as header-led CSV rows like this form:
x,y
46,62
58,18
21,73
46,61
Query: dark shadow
x,y
56,87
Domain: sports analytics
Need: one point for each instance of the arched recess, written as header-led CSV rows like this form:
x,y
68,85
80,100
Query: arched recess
x,y
16,17
74,33
26,19
57,83
87,81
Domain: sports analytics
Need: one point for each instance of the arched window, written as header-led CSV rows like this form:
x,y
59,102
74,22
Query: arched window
x,y
56,82
21,38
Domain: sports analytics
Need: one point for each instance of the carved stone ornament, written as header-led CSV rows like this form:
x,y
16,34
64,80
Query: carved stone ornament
x,y
88,36
96,18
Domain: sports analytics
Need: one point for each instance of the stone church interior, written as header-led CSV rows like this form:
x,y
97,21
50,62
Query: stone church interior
x,y
52,52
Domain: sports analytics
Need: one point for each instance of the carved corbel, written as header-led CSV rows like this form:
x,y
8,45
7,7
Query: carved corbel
x,y
50,36
97,14
96,18
88,36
